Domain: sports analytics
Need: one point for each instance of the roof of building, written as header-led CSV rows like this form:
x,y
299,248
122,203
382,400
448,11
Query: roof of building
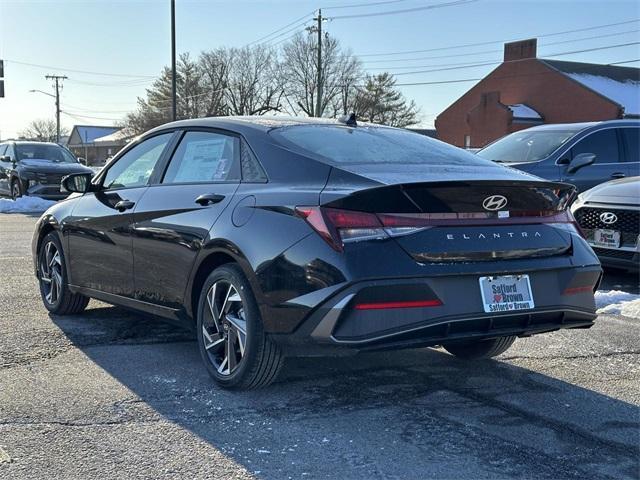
x,y
524,112
619,84
119,136
87,134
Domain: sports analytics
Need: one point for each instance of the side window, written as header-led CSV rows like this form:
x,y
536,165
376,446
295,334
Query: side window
x,y
10,152
205,157
632,143
251,169
134,168
603,143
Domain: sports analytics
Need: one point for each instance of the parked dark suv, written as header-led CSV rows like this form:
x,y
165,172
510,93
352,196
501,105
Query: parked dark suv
x,y
36,169
583,154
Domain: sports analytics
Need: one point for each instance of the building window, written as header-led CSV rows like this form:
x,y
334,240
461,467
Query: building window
x,y
467,141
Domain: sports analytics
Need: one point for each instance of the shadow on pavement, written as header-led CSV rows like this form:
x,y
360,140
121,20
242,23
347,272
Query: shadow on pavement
x,y
408,414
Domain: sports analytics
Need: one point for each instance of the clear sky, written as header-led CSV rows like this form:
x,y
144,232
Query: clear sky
x,y
132,38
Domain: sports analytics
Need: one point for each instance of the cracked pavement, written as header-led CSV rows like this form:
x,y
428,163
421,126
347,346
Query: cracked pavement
x,y
113,394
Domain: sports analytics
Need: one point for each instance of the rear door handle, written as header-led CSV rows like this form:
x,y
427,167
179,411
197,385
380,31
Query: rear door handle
x,y
123,205
209,199
618,175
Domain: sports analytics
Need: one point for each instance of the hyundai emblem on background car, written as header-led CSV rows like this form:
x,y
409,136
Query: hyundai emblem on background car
x,y
608,217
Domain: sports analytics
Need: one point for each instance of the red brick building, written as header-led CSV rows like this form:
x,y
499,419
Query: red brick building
x,y
525,90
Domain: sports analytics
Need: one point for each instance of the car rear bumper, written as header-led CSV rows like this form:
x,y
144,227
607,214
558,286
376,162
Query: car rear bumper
x,y
563,299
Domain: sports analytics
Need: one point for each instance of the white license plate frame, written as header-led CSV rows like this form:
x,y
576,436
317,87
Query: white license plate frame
x,y
506,293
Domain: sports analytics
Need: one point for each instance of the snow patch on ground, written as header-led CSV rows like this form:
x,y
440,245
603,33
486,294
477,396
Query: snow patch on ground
x,y
24,205
615,302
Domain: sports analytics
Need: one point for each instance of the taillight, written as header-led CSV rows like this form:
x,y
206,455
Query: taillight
x,y
338,227
342,226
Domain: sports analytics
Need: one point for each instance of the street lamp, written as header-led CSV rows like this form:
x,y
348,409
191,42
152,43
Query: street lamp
x,y
57,112
40,91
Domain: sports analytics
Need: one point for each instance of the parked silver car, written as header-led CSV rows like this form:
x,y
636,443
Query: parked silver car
x,y
609,215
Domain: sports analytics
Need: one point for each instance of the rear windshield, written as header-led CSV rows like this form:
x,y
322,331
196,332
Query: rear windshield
x,y
44,151
340,145
526,146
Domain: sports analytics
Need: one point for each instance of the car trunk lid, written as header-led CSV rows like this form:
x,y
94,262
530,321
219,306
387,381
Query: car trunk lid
x,y
470,220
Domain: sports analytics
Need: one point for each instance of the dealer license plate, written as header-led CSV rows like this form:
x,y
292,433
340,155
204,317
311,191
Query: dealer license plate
x,y
506,293
606,238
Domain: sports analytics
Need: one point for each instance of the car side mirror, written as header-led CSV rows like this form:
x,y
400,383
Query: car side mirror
x,y
77,182
564,161
83,161
581,160
5,158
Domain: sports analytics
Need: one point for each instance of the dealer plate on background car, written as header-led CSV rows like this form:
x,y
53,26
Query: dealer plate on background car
x,y
606,238
506,293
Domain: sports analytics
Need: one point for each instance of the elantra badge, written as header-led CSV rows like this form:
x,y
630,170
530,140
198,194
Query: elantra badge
x,y
608,218
494,202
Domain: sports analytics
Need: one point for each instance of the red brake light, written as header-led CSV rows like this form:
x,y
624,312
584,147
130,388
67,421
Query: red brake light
x,y
408,304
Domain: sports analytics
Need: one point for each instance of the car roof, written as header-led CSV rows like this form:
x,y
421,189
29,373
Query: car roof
x,y
578,127
33,142
262,123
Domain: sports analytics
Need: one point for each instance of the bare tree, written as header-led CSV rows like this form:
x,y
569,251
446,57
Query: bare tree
x,y
299,72
43,130
378,101
215,69
253,84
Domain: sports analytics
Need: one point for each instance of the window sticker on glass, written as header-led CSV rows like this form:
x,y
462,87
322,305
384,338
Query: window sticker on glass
x,y
205,160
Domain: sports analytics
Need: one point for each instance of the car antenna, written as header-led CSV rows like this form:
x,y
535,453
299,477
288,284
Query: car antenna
x,y
349,120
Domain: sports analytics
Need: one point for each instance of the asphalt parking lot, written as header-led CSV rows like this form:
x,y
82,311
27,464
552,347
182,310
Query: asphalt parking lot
x,y
111,394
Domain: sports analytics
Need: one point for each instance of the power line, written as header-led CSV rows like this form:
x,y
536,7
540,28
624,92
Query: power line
x,y
474,65
596,27
50,67
304,17
81,117
626,61
370,4
286,32
133,83
406,10
497,77
496,51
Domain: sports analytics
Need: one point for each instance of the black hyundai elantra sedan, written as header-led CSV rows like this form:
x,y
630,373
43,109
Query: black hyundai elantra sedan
x,y
287,236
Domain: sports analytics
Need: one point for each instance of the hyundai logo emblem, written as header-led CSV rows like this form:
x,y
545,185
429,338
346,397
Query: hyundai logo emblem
x,y
608,217
494,202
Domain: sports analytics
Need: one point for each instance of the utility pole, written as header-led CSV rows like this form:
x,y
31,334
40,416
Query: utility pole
x,y
318,29
173,60
57,79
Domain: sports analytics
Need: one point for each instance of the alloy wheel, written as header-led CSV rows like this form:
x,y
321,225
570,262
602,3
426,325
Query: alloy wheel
x,y
224,327
51,273
15,190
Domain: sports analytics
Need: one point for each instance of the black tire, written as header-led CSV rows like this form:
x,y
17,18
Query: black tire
x,y
16,188
260,359
480,348
57,298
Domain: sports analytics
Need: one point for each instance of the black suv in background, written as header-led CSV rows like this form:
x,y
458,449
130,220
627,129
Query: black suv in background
x,y
36,169
583,154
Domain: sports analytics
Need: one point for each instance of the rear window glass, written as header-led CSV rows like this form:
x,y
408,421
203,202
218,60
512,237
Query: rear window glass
x,y
372,145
